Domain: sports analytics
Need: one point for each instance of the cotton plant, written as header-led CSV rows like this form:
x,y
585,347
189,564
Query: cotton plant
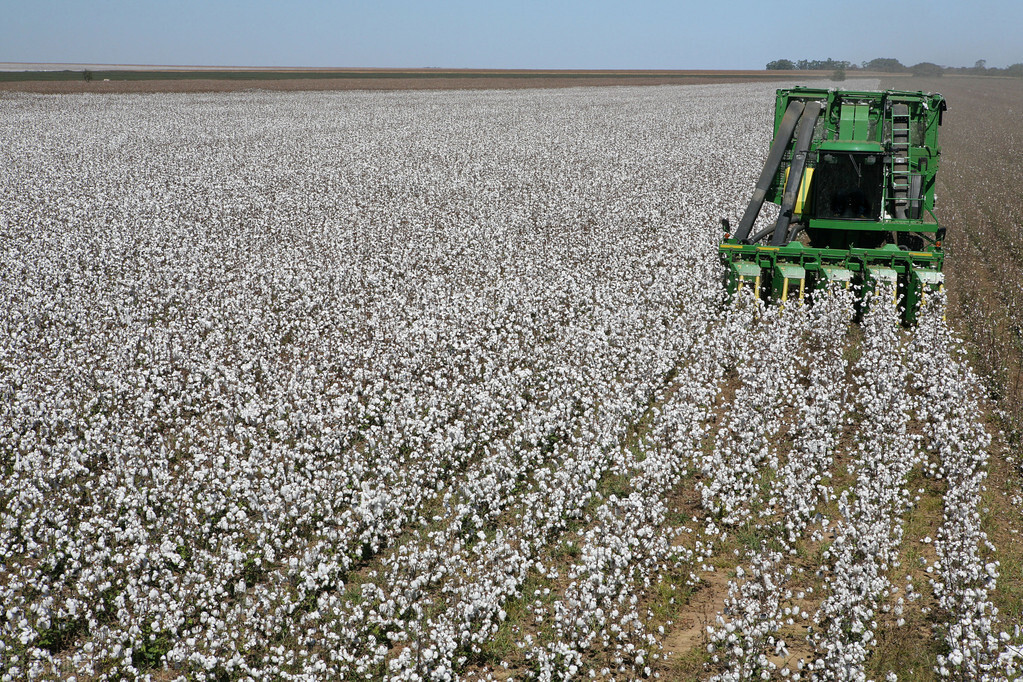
x,y
630,546
978,648
869,534
745,639
744,445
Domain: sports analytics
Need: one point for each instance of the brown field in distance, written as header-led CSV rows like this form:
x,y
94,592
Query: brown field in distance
x,y
200,80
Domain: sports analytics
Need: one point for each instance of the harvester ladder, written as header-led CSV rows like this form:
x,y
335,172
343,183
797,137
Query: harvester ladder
x,y
899,173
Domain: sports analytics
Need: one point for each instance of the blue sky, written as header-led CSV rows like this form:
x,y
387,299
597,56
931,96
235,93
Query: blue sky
x,y
565,34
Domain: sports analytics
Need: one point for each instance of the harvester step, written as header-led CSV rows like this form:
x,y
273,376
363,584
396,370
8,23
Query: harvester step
x,y
789,282
833,274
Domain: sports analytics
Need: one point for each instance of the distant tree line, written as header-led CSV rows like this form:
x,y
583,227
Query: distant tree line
x,y
890,65
828,64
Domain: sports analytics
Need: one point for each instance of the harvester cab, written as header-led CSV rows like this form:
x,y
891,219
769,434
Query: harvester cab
x,y
853,174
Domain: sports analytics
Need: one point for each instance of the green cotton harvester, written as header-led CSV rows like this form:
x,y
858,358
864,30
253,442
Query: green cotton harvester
x,y
853,173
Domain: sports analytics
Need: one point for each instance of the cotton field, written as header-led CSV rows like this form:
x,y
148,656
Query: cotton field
x,y
442,385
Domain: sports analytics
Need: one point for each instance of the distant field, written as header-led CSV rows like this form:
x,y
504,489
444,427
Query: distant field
x,y
169,79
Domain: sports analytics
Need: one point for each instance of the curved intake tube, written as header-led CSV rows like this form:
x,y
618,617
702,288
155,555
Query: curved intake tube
x,y
804,137
781,143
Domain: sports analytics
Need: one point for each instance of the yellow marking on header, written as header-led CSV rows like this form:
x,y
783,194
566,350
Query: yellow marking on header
x,y
804,189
